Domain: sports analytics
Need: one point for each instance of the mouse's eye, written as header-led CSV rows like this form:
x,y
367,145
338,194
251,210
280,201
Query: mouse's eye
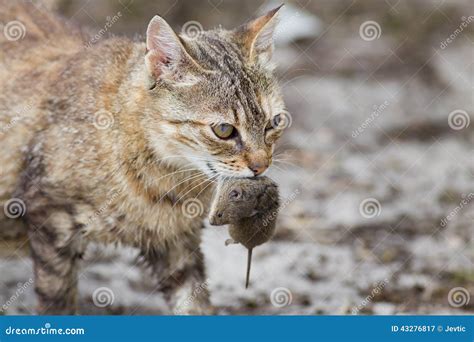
x,y
235,194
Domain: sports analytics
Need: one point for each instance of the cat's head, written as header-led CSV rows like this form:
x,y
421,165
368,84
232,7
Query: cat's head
x,y
215,101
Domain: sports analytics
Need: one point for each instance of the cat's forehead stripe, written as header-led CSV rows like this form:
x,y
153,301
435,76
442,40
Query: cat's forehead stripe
x,y
224,57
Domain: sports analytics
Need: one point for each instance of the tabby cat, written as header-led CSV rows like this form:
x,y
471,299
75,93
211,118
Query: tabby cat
x,y
112,142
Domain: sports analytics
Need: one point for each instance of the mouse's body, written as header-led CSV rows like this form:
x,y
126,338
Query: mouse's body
x,y
250,207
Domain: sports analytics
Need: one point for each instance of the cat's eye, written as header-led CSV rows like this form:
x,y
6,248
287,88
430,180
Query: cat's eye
x,y
224,131
274,122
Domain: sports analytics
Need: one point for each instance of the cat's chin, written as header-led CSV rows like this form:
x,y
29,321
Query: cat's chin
x,y
242,174
215,172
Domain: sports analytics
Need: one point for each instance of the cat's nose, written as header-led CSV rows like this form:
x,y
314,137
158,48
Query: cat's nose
x,y
257,168
258,162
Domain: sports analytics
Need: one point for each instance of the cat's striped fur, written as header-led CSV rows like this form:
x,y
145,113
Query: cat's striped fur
x,y
127,181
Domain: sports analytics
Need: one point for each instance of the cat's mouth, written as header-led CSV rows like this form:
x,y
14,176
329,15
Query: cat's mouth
x,y
216,171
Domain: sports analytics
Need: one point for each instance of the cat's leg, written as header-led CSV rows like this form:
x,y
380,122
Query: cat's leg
x,y
55,248
180,271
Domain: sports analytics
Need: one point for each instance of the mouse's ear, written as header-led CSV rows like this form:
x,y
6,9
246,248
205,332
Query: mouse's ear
x,y
235,193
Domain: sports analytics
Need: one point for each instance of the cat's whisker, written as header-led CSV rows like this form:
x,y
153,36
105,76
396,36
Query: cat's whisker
x,y
278,168
187,186
193,177
288,81
169,163
286,152
285,162
194,187
177,171
211,181
283,154
181,156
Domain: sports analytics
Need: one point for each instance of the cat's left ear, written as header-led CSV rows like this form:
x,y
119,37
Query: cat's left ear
x,y
166,56
256,37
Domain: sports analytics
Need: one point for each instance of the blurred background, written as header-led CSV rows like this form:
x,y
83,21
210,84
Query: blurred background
x,y
376,169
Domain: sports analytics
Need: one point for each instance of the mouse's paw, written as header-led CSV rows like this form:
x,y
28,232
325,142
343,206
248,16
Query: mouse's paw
x,y
230,242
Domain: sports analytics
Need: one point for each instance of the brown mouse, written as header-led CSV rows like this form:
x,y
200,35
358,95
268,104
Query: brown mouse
x,y
250,207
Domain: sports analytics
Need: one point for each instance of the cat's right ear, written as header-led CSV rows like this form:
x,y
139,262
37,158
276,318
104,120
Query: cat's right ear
x,y
166,57
256,37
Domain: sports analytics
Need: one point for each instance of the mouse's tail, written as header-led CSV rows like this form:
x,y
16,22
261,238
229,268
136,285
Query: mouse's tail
x,y
249,262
